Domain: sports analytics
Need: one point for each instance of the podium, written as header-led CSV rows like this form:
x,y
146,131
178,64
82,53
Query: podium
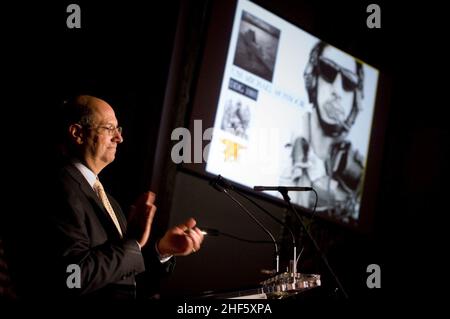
x,y
281,286
288,283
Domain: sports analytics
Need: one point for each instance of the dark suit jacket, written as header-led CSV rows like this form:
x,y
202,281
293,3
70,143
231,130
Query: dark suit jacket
x,y
82,233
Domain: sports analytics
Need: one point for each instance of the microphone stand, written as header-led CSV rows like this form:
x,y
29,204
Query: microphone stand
x,y
294,266
284,193
221,188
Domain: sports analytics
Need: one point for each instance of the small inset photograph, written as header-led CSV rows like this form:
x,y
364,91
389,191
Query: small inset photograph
x,y
236,118
257,46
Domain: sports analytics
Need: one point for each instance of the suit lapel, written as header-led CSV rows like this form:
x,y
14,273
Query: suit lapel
x,y
93,198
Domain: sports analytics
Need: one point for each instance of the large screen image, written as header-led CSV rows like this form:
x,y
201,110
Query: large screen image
x,y
293,110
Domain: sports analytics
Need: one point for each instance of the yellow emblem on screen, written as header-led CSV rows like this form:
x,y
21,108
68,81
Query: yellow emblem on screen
x,y
232,149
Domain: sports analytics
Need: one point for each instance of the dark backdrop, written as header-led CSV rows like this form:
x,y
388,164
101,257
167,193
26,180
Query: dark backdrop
x,y
124,53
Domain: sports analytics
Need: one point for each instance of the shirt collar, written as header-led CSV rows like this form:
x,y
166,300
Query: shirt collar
x,y
85,171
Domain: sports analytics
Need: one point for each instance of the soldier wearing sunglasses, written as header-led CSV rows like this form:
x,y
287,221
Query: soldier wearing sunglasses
x,y
322,157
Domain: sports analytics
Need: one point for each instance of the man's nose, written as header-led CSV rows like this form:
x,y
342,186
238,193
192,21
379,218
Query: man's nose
x,y
337,86
118,138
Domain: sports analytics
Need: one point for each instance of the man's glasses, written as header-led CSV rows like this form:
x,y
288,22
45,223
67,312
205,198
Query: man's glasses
x,y
109,129
329,71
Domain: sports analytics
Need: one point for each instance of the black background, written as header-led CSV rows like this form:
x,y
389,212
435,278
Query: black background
x,y
123,53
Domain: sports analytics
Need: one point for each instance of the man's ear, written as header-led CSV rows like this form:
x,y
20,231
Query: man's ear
x,y
76,133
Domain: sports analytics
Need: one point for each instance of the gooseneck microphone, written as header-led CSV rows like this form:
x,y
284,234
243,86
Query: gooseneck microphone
x,y
285,225
282,188
285,189
215,232
222,185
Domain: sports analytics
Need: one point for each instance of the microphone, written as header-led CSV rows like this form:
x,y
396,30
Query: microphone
x,y
209,231
215,232
220,180
217,183
285,225
282,188
222,185
287,199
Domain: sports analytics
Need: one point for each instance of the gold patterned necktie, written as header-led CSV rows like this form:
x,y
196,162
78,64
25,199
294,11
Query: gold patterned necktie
x,y
98,187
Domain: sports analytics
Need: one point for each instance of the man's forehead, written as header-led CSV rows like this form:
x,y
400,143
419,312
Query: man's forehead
x,y
341,58
103,113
